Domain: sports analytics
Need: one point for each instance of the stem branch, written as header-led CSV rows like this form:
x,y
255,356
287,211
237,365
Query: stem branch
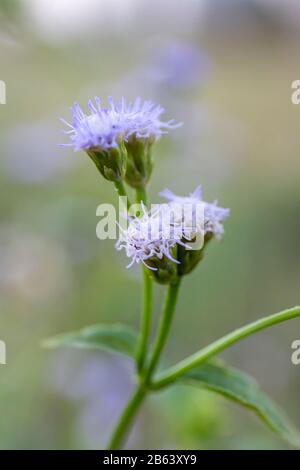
x,y
196,359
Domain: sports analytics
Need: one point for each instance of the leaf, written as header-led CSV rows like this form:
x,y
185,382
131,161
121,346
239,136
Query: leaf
x,y
244,390
114,338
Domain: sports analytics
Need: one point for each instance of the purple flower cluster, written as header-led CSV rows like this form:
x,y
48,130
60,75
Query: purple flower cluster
x,y
214,215
104,128
156,232
148,236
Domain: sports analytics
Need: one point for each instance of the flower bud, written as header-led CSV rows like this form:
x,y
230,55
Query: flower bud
x,y
198,227
189,259
110,162
162,270
139,162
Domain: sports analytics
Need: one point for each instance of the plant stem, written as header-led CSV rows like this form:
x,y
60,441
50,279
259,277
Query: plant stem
x,y
126,417
120,188
142,389
145,320
196,359
134,402
164,327
141,195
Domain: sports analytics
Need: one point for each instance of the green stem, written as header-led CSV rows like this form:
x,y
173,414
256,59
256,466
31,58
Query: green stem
x,y
126,418
121,190
141,195
196,359
164,327
130,410
145,320
142,389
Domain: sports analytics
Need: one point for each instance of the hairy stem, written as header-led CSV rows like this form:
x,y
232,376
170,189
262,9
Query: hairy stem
x,y
199,357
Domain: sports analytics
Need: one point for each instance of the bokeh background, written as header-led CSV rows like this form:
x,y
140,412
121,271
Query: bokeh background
x,y
224,68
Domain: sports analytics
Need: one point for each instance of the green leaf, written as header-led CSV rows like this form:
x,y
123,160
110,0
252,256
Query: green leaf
x,y
244,390
114,338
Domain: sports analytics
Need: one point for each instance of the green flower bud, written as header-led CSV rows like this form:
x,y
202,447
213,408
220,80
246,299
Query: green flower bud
x,y
139,161
189,259
166,270
110,162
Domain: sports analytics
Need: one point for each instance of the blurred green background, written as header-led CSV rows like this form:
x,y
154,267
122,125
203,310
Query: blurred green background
x,y
225,69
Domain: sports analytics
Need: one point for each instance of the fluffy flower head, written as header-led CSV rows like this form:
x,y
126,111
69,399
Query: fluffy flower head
x,y
104,127
148,237
210,220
